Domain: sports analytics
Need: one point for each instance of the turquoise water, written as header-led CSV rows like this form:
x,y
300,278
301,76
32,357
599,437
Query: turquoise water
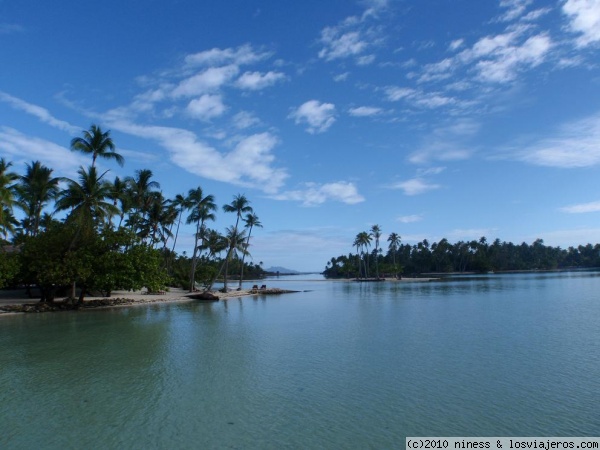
x,y
345,365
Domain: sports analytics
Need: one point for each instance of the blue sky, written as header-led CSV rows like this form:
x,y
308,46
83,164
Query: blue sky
x,y
432,118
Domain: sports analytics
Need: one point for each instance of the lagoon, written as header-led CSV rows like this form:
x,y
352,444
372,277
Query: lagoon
x,y
342,365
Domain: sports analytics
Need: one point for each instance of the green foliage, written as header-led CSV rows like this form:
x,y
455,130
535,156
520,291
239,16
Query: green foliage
x,y
10,264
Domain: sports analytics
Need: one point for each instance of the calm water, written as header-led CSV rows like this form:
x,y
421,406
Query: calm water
x,y
345,365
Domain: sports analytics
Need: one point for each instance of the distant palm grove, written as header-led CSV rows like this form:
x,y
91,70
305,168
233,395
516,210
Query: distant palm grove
x,y
370,260
114,234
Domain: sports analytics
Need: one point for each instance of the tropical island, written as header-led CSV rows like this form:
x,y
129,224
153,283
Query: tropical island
x,y
476,256
117,234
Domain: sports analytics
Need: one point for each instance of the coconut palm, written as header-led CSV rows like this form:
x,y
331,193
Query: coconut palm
x,y
251,220
201,209
394,240
89,200
180,203
376,233
140,189
98,144
235,241
7,197
239,205
363,240
35,190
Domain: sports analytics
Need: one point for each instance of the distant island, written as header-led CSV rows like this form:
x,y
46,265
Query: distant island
x,y
281,271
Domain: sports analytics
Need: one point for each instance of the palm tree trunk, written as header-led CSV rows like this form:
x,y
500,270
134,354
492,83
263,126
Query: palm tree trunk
x,y
194,260
244,257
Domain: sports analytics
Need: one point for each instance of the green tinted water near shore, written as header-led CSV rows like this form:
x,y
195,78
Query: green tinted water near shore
x,y
346,365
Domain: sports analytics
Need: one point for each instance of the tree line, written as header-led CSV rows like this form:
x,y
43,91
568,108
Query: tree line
x,y
116,234
370,260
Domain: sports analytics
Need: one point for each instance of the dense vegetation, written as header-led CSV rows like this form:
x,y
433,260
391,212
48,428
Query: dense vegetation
x,y
118,234
442,256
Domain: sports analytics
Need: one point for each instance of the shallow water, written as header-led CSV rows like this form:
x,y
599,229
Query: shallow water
x,y
344,365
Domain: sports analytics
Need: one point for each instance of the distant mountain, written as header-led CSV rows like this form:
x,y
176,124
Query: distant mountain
x,y
281,270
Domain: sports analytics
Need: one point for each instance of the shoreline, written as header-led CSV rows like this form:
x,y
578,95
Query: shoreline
x,y
15,302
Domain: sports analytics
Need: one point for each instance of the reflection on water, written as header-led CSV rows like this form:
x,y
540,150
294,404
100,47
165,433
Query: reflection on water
x,y
344,365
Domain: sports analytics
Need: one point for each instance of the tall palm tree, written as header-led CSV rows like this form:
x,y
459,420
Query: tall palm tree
x,y
98,144
394,240
180,202
140,189
89,200
118,194
201,209
239,205
34,191
7,197
364,241
376,233
235,242
251,220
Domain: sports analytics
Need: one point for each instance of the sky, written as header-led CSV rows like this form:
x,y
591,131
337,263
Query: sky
x,y
433,119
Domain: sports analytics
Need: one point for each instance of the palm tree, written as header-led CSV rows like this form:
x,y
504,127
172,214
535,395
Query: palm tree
x,y
98,144
88,199
235,241
251,221
180,202
140,190
376,233
7,197
118,193
394,240
34,191
364,241
201,209
239,205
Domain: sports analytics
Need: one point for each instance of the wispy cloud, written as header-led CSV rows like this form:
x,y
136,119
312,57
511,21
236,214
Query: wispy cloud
x,y
584,16
41,113
243,55
318,116
365,111
21,148
313,194
410,219
415,186
255,80
10,28
574,145
582,208
206,107
451,142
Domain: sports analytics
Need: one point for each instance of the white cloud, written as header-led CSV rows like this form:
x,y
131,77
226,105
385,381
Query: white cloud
x,y
206,81
415,186
250,163
515,8
245,119
584,18
22,149
365,60
341,77
507,61
410,219
364,111
318,116
256,80
582,208
574,145
206,107
395,93
314,194
419,98
456,44
242,55
341,45
41,113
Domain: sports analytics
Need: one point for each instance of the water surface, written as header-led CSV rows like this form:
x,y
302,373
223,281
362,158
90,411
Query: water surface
x,y
343,365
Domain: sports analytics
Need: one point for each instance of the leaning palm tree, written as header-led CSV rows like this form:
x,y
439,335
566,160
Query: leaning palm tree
x,y
394,240
180,203
98,144
376,233
35,190
201,209
251,221
7,197
235,242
